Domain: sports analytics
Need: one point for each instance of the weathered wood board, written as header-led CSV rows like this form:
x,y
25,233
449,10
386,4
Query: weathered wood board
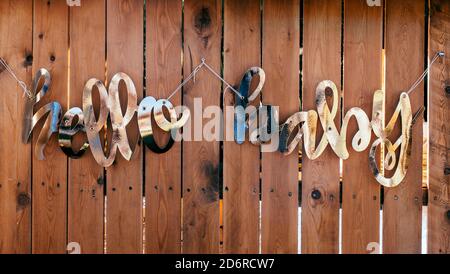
x,y
16,45
281,61
439,193
363,44
320,178
86,177
163,171
241,165
202,39
49,203
124,180
405,42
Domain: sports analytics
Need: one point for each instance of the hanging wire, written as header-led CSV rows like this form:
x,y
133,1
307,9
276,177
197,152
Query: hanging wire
x,y
21,83
189,78
221,79
193,75
425,73
204,64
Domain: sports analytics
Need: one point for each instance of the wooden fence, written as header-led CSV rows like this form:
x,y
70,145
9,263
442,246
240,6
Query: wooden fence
x,y
214,197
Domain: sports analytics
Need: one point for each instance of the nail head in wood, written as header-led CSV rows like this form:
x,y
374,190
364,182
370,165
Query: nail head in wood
x,y
447,171
29,60
316,195
447,90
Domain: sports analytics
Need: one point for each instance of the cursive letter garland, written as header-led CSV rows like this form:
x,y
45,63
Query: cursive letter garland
x,y
304,123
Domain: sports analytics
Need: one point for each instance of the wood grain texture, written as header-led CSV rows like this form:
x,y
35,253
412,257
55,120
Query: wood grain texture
x,y
87,60
321,61
439,193
202,39
281,62
402,215
125,53
50,50
241,163
163,171
16,37
363,43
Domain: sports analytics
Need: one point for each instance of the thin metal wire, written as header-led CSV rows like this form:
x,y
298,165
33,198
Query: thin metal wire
x,y
221,79
189,78
193,76
21,83
425,73
439,54
204,64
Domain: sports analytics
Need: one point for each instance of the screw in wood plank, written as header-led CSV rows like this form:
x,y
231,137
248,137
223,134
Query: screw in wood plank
x,y
316,195
28,60
100,181
448,215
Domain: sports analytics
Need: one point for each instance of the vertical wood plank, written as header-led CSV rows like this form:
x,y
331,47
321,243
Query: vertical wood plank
x,y
363,38
202,35
125,53
16,34
163,171
50,50
241,162
87,60
281,53
439,193
402,214
321,61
